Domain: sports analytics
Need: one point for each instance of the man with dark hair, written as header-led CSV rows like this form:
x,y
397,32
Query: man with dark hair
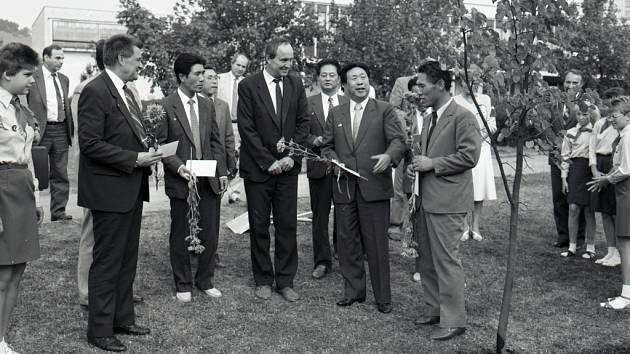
x,y
48,99
272,106
227,90
320,179
450,149
190,119
113,183
365,136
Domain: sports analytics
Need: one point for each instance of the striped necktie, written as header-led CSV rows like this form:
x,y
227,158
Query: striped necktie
x,y
61,113
135,112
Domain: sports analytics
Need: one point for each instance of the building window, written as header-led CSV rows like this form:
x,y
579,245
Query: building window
x,y
82,32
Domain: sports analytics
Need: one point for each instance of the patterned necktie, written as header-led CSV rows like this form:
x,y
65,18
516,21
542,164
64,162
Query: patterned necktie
x,y
15,102
134,110
356,121
234,98
61,113
277,81
433,123
615,144
330,107
194,126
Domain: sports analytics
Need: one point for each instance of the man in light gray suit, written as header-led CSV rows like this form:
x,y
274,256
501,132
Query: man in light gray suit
x,y
450,149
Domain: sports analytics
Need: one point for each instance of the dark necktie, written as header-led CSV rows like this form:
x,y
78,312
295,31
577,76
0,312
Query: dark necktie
x,y
615,143
433,123
605,126
194,126
15,102
330,106
134,110
277,81
61,113
582,130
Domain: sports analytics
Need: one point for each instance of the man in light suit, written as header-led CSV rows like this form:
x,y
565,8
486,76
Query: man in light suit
x,y
320,179
227,91
365,135
113,183
272,105
190,120
48,99
226,132
450,149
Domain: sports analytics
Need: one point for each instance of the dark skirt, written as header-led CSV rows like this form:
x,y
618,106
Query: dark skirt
x,y
19,242
579,174
604,201
622,221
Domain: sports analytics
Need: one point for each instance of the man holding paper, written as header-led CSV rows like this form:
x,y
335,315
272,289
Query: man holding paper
x,y
190,121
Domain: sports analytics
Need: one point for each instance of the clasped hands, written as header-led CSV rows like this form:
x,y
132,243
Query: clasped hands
x,y
187,174
284,164
419,164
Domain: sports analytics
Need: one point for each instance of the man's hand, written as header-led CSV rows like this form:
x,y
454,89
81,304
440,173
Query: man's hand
x,y
319,141
411,173
596,172
185,173
160,170
565,185
382,163
223,183
422,164
232,174
275,168
286,163
146,159
39,212
597,184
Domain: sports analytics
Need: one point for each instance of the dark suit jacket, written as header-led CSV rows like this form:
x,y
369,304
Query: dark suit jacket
x,y
108,178
454,148
37,101
226,133
316,169
260,128
176,128
378,133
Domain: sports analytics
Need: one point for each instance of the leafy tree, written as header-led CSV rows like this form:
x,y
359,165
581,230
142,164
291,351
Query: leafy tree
x,y
216,29
14,28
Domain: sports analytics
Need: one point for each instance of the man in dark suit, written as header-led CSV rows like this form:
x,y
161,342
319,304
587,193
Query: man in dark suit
x,y
450,149
113,183
272,105
320,179
365,135
190,120
48,99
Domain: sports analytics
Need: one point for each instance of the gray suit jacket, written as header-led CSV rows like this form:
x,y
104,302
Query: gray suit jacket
x,y
454,148
37,101
226,132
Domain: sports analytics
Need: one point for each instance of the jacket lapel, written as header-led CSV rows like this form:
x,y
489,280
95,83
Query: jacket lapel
x,y
319,111
370,106
263,93
204,116
345,123
180,114
442,122
122,106
426,120
41,85
287,92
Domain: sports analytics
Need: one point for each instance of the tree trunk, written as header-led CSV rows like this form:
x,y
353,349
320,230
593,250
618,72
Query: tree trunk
x,y
511,260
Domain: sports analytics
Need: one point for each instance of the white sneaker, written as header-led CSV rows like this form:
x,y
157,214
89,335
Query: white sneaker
x,y
213,292
465,235
613,261
416,277
604,259
184,297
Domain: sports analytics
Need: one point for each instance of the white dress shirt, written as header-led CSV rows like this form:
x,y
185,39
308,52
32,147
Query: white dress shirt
x,y
118,83
354,104
185,99
271,86
51,95
335,103
621,158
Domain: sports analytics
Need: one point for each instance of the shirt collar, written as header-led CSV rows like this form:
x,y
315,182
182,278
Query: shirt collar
x,y
441,110
625,131
5,97
118,83
46,72
334,97
185,99
362,103
268,78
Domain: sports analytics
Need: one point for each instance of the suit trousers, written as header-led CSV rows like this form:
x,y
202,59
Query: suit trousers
x,y
364,222
561,208
55,140
86,245
209,236
440,267
278,193
321,199
399,204
113,270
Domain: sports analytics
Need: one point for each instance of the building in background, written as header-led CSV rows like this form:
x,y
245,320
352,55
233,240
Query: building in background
x,y
76,31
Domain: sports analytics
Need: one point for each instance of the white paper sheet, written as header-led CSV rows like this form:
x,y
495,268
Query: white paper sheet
x,y
167,149
202,168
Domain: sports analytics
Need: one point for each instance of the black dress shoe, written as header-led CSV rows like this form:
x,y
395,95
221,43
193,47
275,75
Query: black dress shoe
x,y
137,299
110,344
349,302
427,320
133,329
447,333
561,244
61,217
385,307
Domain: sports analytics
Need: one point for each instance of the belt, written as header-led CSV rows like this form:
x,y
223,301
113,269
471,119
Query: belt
x,y
55,123
11,166
598,154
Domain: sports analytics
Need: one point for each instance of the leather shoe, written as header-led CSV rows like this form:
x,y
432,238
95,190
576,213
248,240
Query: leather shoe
x,y
384,307
263,292
349,302
61,217
561,244
427,320
447,333
289,294
132,329
320,271
138,299
110,344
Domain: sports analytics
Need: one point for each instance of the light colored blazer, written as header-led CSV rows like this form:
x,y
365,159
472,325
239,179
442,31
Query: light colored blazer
x,y
454,149
226,132
224,90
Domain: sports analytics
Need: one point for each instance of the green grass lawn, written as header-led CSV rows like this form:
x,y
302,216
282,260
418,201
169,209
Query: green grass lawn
x,y
555,307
